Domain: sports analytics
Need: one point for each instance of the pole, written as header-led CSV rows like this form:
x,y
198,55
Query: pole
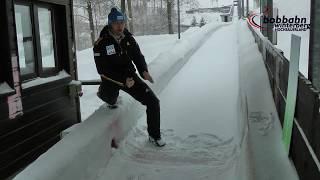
x,y
242,9
178,19
291,91
247,8
314,44
270,25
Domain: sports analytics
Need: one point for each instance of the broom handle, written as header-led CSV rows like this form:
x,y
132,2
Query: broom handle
x,y
114,81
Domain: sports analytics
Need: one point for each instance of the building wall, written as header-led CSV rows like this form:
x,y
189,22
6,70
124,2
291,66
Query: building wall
x,y
47,108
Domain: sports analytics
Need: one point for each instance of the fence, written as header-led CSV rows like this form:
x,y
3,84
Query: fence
x,y
305,146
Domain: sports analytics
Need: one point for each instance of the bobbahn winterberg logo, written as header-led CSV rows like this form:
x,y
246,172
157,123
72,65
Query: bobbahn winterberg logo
x,y
287,24
279,23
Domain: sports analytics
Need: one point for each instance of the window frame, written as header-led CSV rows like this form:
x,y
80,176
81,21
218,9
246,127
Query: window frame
x,y
53,70
39,70
33,74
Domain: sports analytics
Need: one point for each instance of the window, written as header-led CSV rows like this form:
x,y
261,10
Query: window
x,y
35,40
46,38
25,39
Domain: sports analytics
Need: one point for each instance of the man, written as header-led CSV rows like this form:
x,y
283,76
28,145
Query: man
x,y
114,52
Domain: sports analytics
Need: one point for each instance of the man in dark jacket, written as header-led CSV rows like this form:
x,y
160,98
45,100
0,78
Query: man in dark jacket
x,y
114,52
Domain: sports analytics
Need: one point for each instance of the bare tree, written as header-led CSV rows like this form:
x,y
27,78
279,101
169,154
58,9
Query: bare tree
x,y
169,13
130,16
123,6
91,23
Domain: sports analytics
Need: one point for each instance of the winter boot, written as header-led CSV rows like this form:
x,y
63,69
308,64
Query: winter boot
x,y
157,142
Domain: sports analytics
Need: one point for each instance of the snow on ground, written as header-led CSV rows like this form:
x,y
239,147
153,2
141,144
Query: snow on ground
x,y
202,124
218,120
152,46
85,149
269,160
199,119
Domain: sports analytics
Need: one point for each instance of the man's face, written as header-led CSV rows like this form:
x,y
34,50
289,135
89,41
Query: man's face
x,y
118,27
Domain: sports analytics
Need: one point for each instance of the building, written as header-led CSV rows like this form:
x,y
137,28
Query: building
x,y
37,67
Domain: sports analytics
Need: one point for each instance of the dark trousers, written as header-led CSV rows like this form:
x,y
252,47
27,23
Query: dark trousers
x,y
109,92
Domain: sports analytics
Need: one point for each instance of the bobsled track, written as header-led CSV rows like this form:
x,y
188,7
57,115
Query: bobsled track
x,y
217,117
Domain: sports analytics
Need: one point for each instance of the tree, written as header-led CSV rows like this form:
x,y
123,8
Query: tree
x,y
169,13
194,21
123,6
130,16
202,22
91,24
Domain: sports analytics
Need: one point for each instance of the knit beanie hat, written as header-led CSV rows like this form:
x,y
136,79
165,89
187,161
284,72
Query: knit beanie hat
x,y
115,15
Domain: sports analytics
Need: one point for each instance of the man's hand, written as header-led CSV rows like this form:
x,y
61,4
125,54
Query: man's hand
x,y
147,76
129,82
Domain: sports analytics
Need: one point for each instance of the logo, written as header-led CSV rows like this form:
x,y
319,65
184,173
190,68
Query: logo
x,y
279,23
120,18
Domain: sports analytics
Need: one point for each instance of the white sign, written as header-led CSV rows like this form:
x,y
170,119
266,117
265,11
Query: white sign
x,y
110,50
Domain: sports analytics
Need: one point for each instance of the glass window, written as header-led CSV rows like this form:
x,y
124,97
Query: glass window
x,y
25,39
46,38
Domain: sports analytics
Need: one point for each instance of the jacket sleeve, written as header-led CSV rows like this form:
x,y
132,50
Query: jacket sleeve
x,y
98,59
136,56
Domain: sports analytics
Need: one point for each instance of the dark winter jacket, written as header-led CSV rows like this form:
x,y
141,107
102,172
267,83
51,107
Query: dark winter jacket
x,y
114,60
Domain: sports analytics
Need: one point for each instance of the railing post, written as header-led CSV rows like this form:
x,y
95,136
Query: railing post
x,y
314,45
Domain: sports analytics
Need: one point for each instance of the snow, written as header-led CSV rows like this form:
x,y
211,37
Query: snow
x,y
85,149
207,137
154,47
268,154
5,88
217,117
151,46
38,81
202,138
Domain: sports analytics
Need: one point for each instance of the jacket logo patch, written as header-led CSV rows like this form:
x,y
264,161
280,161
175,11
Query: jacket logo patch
x,y
110,49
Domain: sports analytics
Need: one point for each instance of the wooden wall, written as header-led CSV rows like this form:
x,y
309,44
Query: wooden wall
x,y
48,108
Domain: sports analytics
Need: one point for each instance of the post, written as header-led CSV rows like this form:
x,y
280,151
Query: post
x,y
91,24
262,24
275,33
178,19
266,8
169,14
270,25
242,9
239,8
123,6
292,91
130,16
314,45
247,8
